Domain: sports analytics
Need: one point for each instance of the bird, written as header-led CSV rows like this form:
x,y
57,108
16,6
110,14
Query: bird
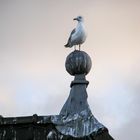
x,y
78,34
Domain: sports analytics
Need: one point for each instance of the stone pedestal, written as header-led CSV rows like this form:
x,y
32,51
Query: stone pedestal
x,y
75,118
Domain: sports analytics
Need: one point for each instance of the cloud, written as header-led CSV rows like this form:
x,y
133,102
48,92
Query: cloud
x,y
32,58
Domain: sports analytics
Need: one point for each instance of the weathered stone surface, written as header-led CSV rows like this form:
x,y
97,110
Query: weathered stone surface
x,y
76,118
78,62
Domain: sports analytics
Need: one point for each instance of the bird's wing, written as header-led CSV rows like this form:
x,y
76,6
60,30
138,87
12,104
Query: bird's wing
x,y
69,40
73,31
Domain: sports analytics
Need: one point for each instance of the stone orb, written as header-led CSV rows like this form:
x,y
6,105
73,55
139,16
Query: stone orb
x,y
78,62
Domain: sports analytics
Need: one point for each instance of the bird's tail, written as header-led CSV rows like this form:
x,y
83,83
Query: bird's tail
x,y
67,45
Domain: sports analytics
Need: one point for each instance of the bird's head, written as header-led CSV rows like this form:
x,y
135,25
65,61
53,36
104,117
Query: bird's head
x,y
79,18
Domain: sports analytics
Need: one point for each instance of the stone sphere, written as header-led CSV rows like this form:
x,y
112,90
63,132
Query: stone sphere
x,y
78,62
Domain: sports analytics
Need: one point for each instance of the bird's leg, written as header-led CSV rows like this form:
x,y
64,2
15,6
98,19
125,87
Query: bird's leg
x,y
79,47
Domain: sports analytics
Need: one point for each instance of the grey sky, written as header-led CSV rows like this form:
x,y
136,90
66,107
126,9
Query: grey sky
x,y
32,57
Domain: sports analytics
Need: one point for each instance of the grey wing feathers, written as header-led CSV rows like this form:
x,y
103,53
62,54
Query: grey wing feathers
x,y
69,40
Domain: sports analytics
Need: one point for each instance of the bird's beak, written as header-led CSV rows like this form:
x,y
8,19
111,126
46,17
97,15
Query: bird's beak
x,y
75,19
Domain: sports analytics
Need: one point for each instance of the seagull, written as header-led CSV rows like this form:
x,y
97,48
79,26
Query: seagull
x,y
78,35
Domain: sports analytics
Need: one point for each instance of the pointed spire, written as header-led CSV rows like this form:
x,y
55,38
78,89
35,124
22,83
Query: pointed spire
x,y
75,118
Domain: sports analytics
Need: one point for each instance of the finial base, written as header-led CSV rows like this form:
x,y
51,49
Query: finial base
x,y
79,79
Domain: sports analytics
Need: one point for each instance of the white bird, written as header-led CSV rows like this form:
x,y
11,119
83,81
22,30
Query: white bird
x,y
78,35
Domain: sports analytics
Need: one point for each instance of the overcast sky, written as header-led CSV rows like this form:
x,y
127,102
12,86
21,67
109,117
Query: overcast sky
x,y
33,78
